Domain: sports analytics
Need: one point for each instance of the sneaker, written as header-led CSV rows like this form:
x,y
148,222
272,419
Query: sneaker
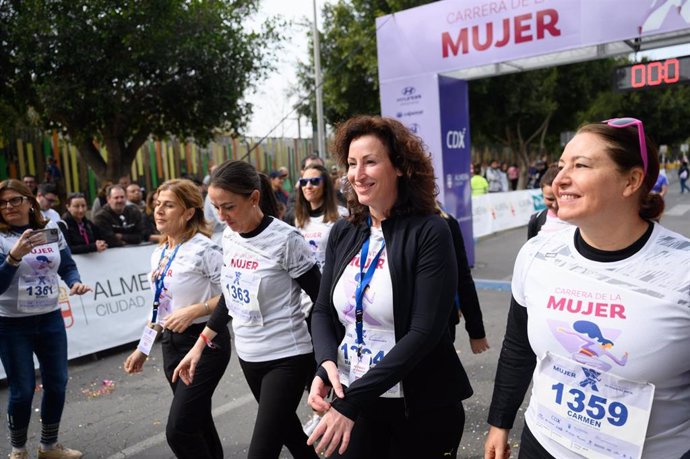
x,y
59,452
19,455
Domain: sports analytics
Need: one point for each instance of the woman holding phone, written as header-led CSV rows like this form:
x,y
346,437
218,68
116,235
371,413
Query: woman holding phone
x,y
31,263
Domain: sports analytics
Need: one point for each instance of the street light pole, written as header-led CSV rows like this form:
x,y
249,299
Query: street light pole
x,y
320,132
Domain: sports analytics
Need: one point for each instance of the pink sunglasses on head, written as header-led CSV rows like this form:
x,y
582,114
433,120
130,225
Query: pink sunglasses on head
x,y
626,122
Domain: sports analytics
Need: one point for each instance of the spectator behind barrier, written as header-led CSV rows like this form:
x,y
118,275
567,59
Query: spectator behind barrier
x,y
47,197
81,234
119,223
134,197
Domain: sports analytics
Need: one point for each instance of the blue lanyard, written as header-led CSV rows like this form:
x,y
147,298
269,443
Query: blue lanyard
x,y
364,281
159,281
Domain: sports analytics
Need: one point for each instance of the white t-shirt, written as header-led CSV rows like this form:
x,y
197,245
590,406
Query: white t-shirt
x,y
51,215
193,276
37,273
261,293
378,317
629,319
316,233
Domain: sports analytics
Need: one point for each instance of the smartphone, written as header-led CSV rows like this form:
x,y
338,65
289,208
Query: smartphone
x,y
45,236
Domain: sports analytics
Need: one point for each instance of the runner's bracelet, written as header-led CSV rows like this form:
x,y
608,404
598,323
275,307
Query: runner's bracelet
x,y
208,342
12,260
207,309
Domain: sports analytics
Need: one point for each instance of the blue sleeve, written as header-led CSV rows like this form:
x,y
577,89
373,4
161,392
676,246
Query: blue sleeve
x,y
7,273
68,268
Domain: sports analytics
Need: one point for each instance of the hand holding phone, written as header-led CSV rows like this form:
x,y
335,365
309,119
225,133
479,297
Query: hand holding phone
x,y
44,236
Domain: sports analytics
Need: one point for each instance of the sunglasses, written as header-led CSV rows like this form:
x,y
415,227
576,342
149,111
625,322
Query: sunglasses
x,y
626,122
316,181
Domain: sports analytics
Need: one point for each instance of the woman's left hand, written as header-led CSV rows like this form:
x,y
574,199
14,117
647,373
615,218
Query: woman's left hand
x,y
333,430
79,289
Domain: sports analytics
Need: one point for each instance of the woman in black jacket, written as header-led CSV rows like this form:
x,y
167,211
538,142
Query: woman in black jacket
x,y
380,326
81,234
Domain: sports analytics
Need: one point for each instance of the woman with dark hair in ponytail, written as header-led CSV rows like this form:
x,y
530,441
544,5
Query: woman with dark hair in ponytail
x,y
266,265
614,273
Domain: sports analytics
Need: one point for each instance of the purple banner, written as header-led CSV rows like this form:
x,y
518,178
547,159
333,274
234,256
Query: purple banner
x,y
455,142
458,34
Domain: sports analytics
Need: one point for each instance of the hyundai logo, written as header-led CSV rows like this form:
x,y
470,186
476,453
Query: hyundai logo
x,y
408,91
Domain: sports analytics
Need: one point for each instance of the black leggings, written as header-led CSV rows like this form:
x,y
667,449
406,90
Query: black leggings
x,y
190,431
382,431
278,386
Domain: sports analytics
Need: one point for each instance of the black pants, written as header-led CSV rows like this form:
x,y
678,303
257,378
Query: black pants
x,y
530,448
190,431
278,386
383,431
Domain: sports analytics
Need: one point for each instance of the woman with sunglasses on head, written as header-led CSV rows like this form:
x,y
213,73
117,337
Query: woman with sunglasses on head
x,y
266,265
81,234
380,324
31,323
599,320
185,276
317,209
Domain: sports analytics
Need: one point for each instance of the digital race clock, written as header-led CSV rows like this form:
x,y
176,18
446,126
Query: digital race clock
x,y
652,74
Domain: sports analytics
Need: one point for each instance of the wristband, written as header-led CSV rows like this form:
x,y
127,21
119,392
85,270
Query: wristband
x,y
207,308
12,261
208,342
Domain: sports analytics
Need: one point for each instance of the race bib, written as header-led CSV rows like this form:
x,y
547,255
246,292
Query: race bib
x,y
351,367
593,413
241,297
38,293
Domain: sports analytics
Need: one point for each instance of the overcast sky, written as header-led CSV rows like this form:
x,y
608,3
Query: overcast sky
x,y
271,101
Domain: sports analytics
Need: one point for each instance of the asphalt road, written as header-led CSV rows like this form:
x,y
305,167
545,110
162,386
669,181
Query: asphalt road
x,y
113,415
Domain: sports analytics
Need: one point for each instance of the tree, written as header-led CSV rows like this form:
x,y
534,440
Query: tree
x,y
118,72
348,59
520,110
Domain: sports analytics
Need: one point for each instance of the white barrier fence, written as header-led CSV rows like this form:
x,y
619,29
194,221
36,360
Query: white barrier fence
x,y
501,211
117,309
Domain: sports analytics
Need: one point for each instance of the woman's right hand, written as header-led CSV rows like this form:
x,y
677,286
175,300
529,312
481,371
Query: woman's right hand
x,y
319,389
135,362
187,366
496,445
23,246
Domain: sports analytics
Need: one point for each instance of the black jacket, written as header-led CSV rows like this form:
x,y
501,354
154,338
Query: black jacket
x,y
467,292
424,277
74,239
129,224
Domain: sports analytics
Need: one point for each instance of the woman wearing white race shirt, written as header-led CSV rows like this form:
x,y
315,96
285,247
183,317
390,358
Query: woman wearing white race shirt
x,y
185,276
31,263
317,209
267,263
600,319
380,324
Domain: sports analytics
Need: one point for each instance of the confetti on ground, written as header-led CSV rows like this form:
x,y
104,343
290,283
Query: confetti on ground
x,y
106,387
